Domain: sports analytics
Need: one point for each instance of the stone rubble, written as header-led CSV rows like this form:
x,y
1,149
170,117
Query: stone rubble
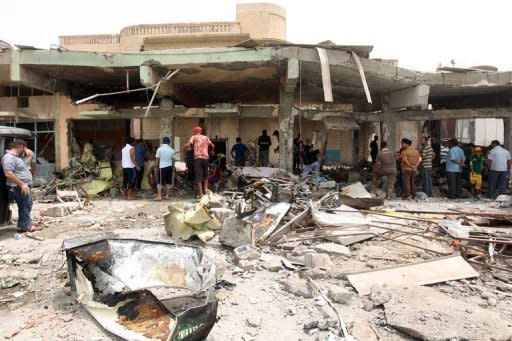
x,y
269,281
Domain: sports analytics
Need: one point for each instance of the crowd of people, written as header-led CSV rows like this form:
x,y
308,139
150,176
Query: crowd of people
x,y
400,169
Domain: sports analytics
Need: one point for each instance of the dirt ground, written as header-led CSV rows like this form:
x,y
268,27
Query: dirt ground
x,y
259,307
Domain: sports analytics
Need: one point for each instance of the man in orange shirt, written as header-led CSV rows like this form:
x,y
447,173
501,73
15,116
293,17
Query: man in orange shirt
x,y
409,161
200,144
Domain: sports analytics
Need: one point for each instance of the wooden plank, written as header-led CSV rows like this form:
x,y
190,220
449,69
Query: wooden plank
x,y
433,271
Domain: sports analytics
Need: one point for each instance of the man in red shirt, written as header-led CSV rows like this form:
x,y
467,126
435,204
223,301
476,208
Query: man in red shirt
x,y
200,143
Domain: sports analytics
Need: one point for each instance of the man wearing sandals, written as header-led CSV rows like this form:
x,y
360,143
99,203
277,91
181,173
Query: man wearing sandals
x,y
200,143
163,168
19,181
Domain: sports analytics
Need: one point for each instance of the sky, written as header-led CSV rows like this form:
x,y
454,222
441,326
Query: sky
x,y
419,33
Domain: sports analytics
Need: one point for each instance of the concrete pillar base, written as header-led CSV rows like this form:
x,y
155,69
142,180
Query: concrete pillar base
x,y
286,125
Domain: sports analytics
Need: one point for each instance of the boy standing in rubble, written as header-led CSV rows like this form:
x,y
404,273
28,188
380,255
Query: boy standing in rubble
x,y
476,167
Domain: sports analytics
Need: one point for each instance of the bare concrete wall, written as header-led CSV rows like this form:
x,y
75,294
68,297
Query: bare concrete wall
x,y
342,141
410,130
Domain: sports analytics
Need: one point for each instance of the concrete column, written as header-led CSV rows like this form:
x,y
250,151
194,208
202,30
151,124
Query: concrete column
x,y
166,127
286,122
61,138
388,127
507,133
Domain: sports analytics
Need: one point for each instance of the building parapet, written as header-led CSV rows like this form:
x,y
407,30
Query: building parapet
x,y
182,29
96,39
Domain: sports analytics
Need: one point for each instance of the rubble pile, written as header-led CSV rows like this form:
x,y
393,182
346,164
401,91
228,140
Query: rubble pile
x,y
88,178
328,258
310,226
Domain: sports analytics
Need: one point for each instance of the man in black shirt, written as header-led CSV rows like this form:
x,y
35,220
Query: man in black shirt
x,y
374,148
311,163
264,144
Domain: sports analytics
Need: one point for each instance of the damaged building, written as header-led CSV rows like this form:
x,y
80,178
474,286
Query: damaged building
x,y
236,79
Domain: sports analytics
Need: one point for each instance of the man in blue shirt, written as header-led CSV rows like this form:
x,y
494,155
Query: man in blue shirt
x,y
163,166
239,153
140,159
454,165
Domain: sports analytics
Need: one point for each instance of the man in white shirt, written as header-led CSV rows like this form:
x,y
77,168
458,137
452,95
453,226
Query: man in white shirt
x,y
498,163
129,167
163,167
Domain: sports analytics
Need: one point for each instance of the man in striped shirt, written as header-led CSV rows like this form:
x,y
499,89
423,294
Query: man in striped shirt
x,y
427,156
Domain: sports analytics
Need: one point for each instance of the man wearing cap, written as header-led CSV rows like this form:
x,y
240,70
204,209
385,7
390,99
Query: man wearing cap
x,y
476,167
129,167
200,143
498,162
163,166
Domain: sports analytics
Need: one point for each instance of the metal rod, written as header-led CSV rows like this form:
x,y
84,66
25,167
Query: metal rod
x,y
416,246
490,266
146,114
489,241
83,100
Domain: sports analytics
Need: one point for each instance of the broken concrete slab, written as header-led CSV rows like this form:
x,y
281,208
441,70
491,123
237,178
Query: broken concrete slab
x,y
379,295
297,287
339,294
246,252
272,262
428,272
363,331
332,249
56,211
424,313
301,250
248,264
317,260
235,232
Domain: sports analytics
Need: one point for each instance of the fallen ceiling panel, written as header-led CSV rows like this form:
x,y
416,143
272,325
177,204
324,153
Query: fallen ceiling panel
x,y
434,271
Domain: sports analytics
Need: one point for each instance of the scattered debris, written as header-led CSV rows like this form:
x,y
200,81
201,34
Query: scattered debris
x,y
184,221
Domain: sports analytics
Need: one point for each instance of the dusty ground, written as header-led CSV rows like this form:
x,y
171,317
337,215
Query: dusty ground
x,y
40,307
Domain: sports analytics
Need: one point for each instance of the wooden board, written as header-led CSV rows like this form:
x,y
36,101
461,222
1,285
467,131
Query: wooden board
x,y
433,271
